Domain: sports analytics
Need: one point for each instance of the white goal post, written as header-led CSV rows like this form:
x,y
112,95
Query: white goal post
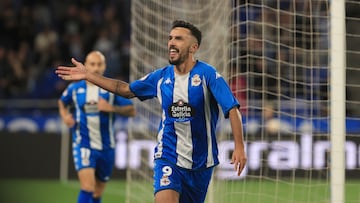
x,y
338,89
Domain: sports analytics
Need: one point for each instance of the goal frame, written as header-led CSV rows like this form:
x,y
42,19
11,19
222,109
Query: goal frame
x,y
337,100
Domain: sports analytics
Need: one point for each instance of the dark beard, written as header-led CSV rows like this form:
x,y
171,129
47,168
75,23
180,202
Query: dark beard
x,y
175,63
180,60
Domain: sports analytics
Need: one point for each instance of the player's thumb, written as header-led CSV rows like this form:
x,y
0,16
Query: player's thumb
x,y
232,161
75,62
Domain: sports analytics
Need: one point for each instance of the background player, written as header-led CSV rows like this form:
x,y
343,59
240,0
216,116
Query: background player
x,y
189,92
91,124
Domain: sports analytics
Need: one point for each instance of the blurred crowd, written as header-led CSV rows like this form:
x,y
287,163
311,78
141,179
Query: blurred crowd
x,y
279,48
281,53
36,36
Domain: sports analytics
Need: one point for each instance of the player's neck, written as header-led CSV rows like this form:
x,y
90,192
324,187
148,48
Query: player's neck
x,y
185,67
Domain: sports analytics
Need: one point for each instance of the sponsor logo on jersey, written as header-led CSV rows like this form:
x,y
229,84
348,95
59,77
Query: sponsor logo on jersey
x,y
91,107
181,111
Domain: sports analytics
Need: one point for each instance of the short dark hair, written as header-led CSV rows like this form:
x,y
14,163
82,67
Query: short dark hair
x,y
193,29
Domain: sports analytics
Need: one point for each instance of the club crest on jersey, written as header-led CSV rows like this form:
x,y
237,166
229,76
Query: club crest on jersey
x,y
195,80
164,181
181,111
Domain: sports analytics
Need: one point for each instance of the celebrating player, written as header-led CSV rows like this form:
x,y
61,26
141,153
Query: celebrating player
x,y
91,124
189,92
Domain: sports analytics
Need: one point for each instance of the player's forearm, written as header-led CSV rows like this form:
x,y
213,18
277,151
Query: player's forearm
x,y
237,128
63,111
128,111
115,86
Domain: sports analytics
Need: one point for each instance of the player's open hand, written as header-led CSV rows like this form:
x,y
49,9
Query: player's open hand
x,y
104,106
239,160
72,73
69,120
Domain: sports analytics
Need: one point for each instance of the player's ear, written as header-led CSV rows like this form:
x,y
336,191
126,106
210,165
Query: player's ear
x,y
193,48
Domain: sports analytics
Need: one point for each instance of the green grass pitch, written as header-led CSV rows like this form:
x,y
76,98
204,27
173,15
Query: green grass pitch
x,y
53,191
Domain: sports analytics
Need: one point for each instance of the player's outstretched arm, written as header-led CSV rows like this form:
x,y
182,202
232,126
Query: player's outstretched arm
x,y
79,73
239,156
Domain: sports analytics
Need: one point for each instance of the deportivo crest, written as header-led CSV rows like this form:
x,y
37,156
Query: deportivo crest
x,y
164,181
195,80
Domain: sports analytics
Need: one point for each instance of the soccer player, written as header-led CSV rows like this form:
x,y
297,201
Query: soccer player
x,y
189,92
91,123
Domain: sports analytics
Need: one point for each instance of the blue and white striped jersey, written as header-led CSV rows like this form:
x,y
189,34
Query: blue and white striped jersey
x,y
186,135
93,129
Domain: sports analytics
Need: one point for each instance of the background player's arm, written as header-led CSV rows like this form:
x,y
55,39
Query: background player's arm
x,y
128,110
65,114
79,73
238,157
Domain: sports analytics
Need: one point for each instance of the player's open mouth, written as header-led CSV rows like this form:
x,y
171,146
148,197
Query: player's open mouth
x,y
173,52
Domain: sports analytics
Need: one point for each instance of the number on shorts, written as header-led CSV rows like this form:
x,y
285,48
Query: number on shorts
x,y
85,156
167,171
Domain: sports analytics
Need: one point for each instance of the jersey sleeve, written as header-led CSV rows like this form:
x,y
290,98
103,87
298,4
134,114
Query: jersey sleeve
x,y
221,92
146,87
66,96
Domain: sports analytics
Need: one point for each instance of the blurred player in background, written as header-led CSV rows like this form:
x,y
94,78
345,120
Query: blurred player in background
x,y
189,92
91,124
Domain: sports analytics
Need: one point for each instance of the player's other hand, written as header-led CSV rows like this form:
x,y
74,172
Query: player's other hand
x,y
104,106
239,160
69,120
72,73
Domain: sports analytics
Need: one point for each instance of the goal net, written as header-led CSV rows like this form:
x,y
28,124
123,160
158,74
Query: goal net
x,y
275,56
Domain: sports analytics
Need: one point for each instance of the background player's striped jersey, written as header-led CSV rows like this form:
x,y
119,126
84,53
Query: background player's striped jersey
x,y
93,129
190,111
